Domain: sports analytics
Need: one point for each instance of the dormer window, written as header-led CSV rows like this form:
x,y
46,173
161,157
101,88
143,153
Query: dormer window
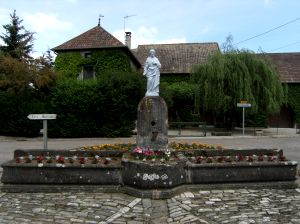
x,y
87,54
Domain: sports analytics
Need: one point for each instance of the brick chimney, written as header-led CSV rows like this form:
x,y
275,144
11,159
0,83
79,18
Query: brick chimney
x,y
128,39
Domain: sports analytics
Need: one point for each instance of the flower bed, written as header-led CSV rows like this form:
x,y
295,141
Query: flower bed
x,y
171,146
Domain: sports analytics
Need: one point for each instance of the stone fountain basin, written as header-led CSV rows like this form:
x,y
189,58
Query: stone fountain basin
x,y
147,175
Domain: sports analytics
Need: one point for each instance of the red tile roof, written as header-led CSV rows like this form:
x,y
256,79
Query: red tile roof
x,y
96,37
288,65
178,58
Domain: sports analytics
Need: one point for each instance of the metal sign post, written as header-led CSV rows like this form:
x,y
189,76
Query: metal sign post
x,y
43,117
244,105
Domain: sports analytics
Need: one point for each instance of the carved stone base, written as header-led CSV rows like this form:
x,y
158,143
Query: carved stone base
x,y
152,123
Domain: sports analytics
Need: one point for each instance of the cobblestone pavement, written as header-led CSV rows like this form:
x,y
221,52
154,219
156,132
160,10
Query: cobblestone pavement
x,y
204,206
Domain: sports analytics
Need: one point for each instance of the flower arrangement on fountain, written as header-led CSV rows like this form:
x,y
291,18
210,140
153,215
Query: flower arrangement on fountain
x,y
61,161
178,146
140,153
238,158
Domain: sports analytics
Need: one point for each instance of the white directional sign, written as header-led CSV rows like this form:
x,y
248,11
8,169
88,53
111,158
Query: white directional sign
x,y
243,105
42,116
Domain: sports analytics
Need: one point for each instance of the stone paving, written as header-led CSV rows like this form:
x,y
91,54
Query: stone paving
x,y
241,206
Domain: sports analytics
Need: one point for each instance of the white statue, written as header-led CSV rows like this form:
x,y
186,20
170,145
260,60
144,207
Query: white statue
x,y
151,71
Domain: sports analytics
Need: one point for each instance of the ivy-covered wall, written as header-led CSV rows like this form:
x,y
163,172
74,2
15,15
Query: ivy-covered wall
x,y
294,100
70,63
173,78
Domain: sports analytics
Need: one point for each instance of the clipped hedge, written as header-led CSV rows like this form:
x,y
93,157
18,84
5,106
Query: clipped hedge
x,y
105,107
14,109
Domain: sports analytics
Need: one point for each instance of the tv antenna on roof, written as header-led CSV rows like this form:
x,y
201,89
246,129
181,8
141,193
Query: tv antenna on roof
x,y
126,17
99,19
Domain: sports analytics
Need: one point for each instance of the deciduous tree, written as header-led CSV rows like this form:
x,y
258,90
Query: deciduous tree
x,y
234,76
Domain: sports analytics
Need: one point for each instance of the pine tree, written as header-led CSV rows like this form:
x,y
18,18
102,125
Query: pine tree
x,y
18,41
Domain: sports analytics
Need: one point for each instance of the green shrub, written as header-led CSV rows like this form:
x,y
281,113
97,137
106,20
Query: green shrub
x,y
293,100
14,109
181,98
105,107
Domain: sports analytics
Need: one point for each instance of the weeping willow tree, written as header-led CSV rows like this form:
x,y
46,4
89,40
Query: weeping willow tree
x,y
234,76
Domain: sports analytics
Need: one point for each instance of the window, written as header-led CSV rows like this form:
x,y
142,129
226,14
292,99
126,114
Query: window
x,y
88,54
88,72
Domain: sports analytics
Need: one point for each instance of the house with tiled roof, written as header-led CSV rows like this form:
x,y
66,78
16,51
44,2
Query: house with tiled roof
x,y
178,59
288,66
93,52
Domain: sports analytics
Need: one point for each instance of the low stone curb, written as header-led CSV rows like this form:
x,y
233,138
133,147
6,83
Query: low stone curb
x,y
152,193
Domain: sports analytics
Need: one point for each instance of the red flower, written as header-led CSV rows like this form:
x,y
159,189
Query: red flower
x,y
282,158
261,157
250,158
271,158
81,160
239,157
39,159
148,153
18,160
199,159
61,159
106,161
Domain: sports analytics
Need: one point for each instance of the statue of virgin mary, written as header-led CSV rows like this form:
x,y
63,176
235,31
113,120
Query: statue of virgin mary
x,y
151,71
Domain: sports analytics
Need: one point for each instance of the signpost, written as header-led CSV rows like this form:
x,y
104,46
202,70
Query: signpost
x,y
43,117
244,104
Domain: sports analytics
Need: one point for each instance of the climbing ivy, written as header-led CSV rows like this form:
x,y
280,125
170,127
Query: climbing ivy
x,y
70,63
110,60
293,100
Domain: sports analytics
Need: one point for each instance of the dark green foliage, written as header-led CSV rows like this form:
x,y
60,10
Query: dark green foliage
x,y
18,41
172,78
293,100
234,76
103,61
14,109
258,119
69,64
103,107
110,60
180,99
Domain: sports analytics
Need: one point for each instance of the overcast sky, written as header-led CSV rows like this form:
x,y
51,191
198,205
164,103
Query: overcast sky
x,y
163,21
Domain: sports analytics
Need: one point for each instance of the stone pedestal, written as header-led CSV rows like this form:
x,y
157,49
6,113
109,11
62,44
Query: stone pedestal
x,y
152,123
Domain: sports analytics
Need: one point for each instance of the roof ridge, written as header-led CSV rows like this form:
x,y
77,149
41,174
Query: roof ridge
x,y
179,43
90,39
